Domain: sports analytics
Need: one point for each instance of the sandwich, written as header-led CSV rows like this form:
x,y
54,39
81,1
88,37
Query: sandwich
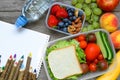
x,y
64,63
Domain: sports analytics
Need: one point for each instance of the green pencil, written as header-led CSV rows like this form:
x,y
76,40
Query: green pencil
x,y
6,68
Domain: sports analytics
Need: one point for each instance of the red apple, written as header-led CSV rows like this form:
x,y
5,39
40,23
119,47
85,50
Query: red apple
x,y
107,5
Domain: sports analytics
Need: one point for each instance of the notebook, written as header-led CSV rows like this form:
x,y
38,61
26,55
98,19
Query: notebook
x,y
22,42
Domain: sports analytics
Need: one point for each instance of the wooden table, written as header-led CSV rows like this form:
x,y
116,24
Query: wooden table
x,y
11,9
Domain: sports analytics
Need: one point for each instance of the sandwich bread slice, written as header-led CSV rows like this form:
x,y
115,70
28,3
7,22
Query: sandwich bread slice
x,y
64,63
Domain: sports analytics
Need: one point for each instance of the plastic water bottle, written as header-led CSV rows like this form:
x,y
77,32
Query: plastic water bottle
x,y
32,11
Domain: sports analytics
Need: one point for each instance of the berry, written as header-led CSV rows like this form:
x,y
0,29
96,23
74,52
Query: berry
x,y
55,8
74,17
80,13
66,24
52,21
70,14
62,13
65,20
61,24
65,29
71,18
69,22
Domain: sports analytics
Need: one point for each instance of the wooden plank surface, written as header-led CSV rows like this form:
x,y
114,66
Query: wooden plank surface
x,y
11,9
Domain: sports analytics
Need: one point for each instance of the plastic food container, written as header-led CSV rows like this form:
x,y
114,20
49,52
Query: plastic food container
x,y
89,74
71,17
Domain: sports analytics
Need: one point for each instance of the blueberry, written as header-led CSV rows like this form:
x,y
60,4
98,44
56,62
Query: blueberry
x,y
61,24
72,9
65,20
70,14
66,24
71,18
68,8
80,13
69,22
74,17
65,29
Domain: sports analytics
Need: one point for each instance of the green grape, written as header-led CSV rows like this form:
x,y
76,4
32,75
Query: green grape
x,y
87,18
74,2
90,27
88,11
93,0
85,6
78,5
84,29
96,25
93,5
95,18
87,1
90,20
97,11
80,1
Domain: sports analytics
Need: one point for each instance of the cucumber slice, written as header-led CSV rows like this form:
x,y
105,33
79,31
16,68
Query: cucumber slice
x,y
107,45
101,44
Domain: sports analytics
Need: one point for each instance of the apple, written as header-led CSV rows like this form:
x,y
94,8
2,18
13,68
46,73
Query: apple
x,y
109,22
107,5
115,36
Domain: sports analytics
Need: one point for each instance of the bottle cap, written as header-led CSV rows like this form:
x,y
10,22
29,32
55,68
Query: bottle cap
x,y
21,21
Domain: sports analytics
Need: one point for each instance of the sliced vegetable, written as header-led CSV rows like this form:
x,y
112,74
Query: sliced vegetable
x,y
101,44
107,45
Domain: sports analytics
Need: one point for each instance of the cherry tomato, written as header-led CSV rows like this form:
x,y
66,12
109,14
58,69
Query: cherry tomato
x,y
84,67
91,37
81,37
103,64
96,61
83,44
92,51
93,67
100,57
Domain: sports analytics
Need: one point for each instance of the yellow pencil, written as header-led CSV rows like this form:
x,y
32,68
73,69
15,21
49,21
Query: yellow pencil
x,y
26,72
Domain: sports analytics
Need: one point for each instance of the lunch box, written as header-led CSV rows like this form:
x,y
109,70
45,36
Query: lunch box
x,y
88,75
63,5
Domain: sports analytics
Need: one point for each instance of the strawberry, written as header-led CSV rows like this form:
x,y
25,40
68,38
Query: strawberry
x,y
62,13
55,8
52,21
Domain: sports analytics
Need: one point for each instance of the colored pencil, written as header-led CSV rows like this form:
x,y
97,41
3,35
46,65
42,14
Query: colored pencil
x,y
34,75
10,68
18,68
6,68
13,71
21,73
30,74
26,72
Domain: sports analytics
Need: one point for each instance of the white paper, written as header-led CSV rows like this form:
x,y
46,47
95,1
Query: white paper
x,y
21,42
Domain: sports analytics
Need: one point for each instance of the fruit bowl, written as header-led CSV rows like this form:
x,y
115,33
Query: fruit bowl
x,y
59,61
65,19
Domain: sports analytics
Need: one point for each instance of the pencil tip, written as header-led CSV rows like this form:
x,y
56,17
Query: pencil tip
x,y
30,54
14,55
22,57
10,57
35,71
